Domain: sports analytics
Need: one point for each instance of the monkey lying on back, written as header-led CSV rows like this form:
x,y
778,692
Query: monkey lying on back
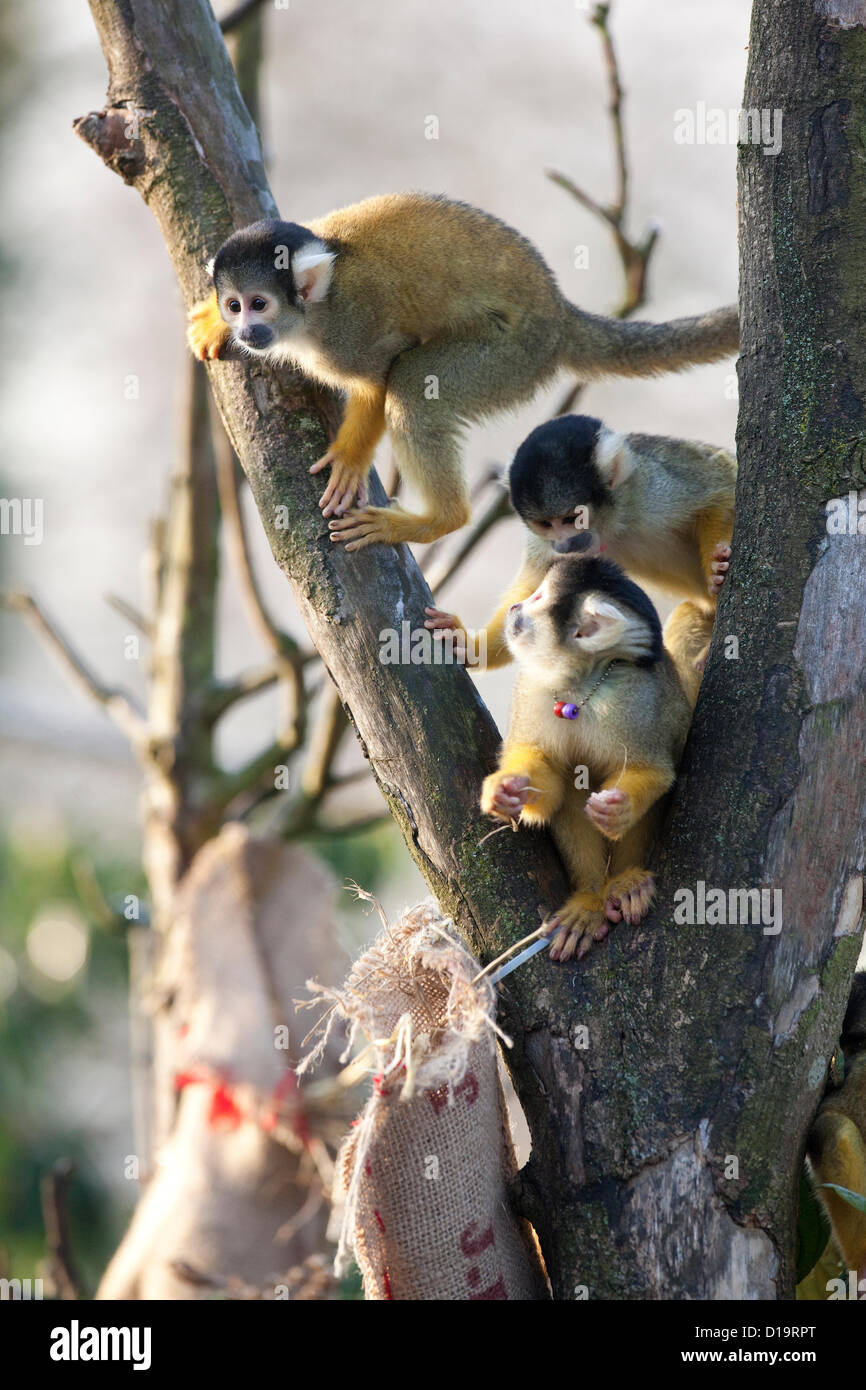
x,y
596,690
430,314
837,1140
662,508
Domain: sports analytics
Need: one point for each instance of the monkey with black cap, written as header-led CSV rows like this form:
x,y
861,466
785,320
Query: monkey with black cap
x,y
662,508
596,695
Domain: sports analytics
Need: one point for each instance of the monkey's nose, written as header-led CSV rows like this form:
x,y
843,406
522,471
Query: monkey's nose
x,y
257,335
584,541
514,607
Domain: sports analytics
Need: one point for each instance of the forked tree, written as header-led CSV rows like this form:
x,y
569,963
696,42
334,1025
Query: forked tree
x,y
666,1154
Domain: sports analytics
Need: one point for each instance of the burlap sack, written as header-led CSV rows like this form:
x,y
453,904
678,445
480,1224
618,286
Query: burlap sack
x,y
230,1195
423,1177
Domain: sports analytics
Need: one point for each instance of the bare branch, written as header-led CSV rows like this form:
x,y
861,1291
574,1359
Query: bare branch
x,y
477,490
585,199
288,657
132,615
56,1218
324,826
225,786
330,728
634,256
116,703
224,694
497,509
600,19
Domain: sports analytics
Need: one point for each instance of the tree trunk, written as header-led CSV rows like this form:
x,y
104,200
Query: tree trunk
x,y
710,1055
704,1042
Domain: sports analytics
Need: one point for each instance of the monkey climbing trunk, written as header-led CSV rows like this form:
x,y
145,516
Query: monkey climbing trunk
x,y
668,1080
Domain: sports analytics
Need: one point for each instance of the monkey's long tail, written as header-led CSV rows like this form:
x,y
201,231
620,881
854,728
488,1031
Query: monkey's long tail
x,y
594,346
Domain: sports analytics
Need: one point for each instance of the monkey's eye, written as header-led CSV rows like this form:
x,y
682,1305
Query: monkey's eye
x,y
233,305
546,524
258,304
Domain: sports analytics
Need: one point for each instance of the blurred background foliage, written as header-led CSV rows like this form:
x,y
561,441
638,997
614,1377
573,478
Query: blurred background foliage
x,y
64,983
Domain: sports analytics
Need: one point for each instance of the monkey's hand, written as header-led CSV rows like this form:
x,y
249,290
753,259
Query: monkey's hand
x,y
346,485
504,794
578,923
207,332
719,566
611,812
449,632
628,896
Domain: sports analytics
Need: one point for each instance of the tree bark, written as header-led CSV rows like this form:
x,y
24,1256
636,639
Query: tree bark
x,y
717,1040
704,1042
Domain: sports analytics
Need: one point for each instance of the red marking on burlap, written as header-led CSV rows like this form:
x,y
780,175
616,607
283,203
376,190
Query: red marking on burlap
x,y
467,1090
286,1087
226,1111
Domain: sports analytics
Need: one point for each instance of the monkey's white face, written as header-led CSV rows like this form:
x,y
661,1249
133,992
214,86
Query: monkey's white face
x,y
558,528
556,643
259,322
563,528
267,315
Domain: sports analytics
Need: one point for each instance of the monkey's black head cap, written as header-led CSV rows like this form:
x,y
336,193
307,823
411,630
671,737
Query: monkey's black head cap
x,y
259,252
553,470
571,574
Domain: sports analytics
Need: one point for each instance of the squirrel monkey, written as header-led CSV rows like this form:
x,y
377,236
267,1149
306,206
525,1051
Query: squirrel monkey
x,y
429,314
686,637
598,722
662,508
837,1139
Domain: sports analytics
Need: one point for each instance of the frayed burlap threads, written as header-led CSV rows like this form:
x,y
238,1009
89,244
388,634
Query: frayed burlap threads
x,y
423,1177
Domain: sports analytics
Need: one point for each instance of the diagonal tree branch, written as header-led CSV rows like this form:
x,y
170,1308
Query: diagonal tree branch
x,y
197,163
116,703
672,1051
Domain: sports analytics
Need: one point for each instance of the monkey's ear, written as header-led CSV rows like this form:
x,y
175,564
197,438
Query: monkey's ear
x,y
600,624
613,458
209,268
312,269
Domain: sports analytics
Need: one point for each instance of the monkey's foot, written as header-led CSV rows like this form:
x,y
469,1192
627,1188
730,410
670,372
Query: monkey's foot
x,y
363,526
578,923
627,896
610,811
505,794
700,661
377,526
207,332
719,566
345,485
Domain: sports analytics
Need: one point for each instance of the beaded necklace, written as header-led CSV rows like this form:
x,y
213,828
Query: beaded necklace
x,y
571,709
